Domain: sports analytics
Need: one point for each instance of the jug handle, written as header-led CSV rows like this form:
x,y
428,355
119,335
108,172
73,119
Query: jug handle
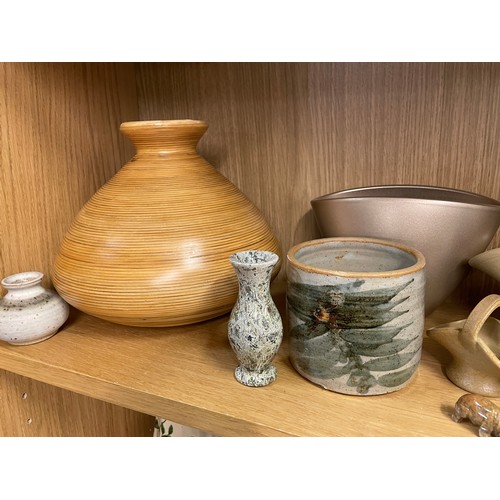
x,y
473,324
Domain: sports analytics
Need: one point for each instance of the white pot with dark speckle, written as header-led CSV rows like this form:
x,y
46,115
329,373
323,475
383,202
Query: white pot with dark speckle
x,y
30,313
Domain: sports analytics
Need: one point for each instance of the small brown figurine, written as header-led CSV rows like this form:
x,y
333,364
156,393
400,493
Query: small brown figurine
x,y
480,411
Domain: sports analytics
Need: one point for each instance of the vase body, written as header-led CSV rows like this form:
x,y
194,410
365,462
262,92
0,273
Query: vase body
x,y
30,313
151,247
255,329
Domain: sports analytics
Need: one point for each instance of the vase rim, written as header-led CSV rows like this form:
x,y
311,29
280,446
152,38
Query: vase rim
x,y
254,258
22,280
161,123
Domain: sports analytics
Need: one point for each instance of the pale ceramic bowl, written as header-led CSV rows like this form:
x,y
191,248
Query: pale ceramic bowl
x,y
488,262
447,225
355,311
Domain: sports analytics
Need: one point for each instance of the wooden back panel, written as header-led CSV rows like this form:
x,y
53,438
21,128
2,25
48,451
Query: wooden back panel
x,y
59,142
285,133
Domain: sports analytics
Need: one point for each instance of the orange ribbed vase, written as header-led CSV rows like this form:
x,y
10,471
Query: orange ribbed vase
x,y
152,246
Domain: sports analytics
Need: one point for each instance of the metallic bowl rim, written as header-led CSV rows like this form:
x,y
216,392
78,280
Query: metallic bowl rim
x,y
480,201
418,266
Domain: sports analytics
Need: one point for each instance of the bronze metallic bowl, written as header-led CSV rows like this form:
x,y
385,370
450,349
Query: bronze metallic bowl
x,y
448,226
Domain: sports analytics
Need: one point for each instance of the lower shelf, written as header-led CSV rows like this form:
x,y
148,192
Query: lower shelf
x,y
185,374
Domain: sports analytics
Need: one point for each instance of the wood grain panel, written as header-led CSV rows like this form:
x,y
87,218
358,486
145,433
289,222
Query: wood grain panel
x,y
282,132
29,408
59,142
250,110
285,133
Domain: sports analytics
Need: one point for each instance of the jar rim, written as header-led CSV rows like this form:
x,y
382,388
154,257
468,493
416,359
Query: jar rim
x,y
418,265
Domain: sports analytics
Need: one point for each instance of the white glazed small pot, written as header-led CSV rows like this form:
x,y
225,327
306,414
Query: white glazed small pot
x,y
30,313
355,309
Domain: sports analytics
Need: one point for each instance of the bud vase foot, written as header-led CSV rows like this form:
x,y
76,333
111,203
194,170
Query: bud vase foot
x,y
254,378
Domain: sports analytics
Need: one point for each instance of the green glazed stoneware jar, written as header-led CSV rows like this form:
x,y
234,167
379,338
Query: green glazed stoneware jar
x,y
355,309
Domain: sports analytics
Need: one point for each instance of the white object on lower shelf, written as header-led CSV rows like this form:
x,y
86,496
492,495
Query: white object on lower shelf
x,y
167,428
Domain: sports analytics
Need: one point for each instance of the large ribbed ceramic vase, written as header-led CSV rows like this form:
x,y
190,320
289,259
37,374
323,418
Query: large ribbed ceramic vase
x,y
152,246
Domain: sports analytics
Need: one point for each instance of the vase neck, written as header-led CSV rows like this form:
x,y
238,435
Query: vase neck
x,y
254,278
22,285
22,281
164,136
254,268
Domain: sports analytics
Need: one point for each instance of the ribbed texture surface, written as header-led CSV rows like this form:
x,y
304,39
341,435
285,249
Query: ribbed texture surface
x,y
151,247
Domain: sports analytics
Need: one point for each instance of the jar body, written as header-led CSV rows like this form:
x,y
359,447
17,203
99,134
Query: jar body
x,y
355,314
255,329
30,313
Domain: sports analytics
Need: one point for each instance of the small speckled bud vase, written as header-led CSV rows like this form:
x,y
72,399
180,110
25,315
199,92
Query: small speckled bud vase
x,y
355,311
255,329
30,313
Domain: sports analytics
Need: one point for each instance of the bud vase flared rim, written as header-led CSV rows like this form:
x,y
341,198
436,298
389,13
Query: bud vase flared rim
x,y
253,258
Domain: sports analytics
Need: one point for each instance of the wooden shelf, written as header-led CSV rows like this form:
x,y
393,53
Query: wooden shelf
x,y
186,374
283,133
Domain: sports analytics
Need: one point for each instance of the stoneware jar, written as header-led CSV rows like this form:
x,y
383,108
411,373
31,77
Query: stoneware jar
x,y
30,313
355,311
255,329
